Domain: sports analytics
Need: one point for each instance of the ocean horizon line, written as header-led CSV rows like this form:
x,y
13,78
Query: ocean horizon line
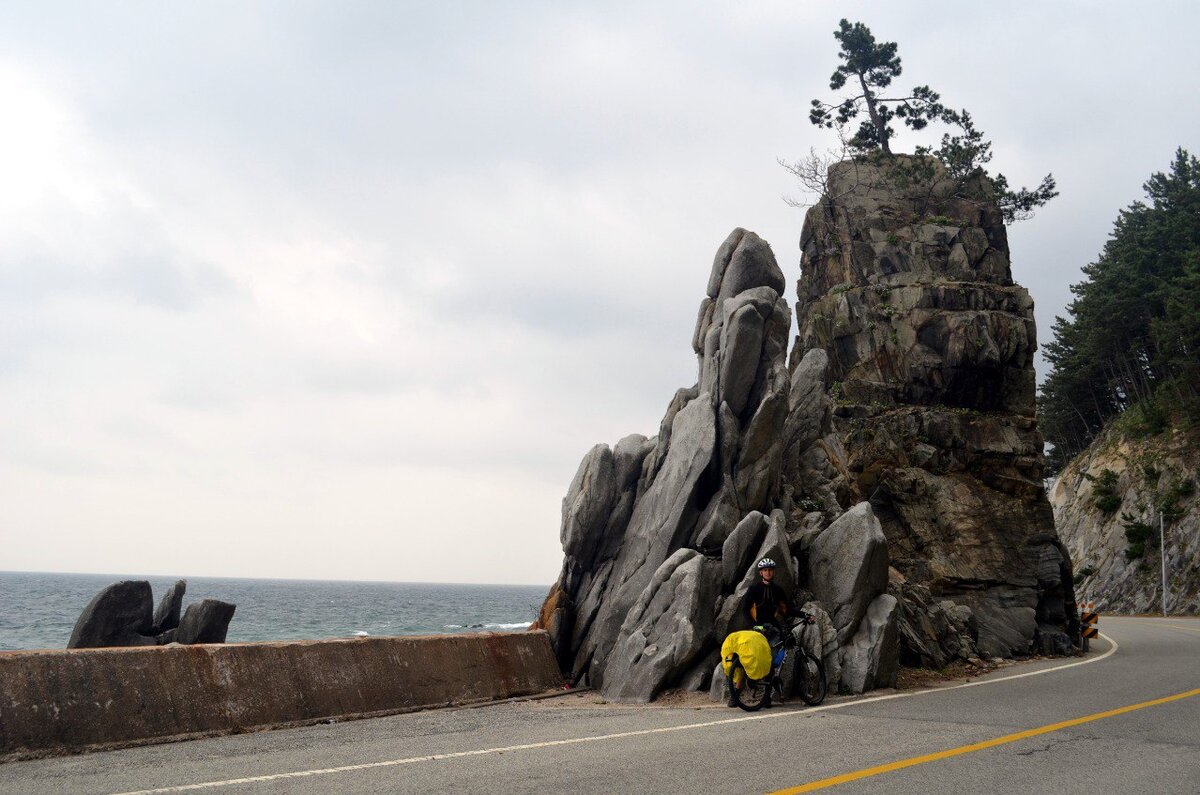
x,y
146,575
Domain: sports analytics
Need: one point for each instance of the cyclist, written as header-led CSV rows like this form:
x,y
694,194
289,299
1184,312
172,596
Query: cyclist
x,y
766,604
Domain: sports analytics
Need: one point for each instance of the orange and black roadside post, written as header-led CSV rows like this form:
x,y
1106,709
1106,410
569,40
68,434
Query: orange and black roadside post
x,y
1088,619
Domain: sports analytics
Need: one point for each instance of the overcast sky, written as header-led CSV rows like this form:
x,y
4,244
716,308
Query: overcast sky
x,y
346,290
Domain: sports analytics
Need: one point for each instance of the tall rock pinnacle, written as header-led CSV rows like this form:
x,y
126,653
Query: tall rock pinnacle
x,y
906,286
644,522
892,469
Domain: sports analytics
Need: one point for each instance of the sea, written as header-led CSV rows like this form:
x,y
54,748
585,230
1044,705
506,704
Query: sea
x,y
38,610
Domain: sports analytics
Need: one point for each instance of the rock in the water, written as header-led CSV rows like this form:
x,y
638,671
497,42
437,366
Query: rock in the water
x,y
668,626
120,615
123,614
205,622
871,658
848,567
166,615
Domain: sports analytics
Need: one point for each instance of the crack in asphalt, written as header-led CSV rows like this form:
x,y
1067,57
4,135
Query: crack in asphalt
x,y
1056,743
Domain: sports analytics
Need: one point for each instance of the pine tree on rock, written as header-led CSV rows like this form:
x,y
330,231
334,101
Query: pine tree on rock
x,y
869,67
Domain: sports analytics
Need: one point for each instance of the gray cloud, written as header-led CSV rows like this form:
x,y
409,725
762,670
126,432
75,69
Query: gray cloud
x,y
161,281
294,268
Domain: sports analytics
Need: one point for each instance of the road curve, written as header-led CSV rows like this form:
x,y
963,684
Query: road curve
x,y
1125,720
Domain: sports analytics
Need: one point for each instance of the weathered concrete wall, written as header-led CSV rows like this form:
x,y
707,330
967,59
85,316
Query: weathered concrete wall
x,y
55,701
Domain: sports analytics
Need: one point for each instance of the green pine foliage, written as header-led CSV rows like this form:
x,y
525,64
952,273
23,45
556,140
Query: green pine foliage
x,y
867,68
1140,537
1130,347
1107,499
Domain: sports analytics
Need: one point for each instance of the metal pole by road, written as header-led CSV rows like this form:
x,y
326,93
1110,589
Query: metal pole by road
x,y
1162,549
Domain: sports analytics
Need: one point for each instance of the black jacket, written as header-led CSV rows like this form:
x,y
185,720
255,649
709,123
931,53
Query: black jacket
x,y
765,603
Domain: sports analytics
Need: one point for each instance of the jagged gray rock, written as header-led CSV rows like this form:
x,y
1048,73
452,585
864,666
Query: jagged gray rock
x,y
716,460
699,677
848,567
808,414
166,615
751,264
123,614
820,639
120,615
666,629
659,522
206,621
906,286
718,686
871,659
902,436
588,503
932,633
736,554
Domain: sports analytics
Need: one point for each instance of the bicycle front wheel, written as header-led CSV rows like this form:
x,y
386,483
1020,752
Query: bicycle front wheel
x,y
810,679
749,694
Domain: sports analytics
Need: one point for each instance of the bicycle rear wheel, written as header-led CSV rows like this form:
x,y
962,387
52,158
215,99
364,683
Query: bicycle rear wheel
x,y
749,694
810,678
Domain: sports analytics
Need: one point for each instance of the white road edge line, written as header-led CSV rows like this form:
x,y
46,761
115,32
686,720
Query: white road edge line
x,y
640,733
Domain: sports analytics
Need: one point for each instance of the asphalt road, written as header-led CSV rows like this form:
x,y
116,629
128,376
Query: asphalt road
x,y
1140,705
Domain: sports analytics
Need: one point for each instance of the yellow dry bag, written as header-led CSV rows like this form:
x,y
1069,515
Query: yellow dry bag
x,y
752,648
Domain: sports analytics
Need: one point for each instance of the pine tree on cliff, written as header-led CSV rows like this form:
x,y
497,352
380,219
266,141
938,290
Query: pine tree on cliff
x,y
1132,338
869,67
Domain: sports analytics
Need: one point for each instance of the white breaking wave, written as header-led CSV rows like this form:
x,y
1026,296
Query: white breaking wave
x,y
361,634
517,625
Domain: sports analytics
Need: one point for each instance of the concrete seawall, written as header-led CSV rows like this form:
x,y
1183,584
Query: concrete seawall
x,y
63,701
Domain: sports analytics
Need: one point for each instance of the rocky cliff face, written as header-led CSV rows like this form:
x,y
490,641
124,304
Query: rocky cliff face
x,y
658,533
1107,502
892,469
907,286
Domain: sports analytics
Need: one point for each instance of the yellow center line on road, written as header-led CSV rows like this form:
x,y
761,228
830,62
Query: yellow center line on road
x,y
571,741
890,767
